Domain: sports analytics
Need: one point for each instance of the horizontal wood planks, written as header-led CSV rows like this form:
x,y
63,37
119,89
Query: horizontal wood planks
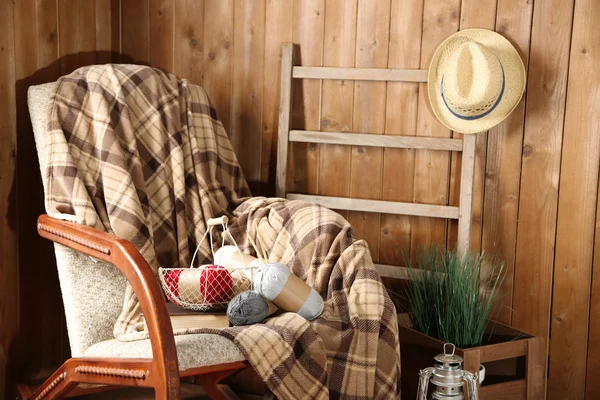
x,y
529,188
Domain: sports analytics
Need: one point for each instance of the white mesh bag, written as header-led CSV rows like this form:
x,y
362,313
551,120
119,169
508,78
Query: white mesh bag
x,y
207,287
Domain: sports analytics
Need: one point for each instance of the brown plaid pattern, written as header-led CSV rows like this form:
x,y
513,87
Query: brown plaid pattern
x,y
107,173
139,154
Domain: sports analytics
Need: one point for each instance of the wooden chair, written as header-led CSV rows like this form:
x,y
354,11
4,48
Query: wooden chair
x,y
290,71
93,268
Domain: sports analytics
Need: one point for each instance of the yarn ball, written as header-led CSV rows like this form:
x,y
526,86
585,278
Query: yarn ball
x,y
247,308
216,284
172,281
270,281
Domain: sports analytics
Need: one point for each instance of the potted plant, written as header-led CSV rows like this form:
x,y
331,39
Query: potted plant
x,y
453,298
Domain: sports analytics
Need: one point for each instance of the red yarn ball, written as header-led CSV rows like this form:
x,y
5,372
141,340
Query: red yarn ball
x,y
216,284
172,281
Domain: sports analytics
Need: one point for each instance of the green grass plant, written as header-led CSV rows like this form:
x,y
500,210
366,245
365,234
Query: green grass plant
x,y
451,297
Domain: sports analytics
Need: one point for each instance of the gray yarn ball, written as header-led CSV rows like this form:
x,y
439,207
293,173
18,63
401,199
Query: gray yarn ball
x,y
247,308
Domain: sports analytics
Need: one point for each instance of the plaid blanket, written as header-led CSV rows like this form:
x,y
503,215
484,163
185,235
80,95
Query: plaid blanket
x,y
140,154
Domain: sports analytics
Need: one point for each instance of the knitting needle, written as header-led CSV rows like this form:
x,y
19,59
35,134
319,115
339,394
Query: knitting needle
x,y
256,249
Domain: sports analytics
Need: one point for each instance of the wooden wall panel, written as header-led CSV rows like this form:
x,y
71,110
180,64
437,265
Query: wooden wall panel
x,y
406,26
233,48
593,356
278,29
546,93
247,96
9,272
39,41
135,31
188,40
337,98
473,14
307,31
218,57
503,164
161,34
372,49
580,162
431,177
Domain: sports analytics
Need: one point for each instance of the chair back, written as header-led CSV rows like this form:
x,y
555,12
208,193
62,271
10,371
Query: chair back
x,y
92,291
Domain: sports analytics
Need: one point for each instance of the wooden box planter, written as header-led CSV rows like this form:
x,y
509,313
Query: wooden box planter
x,y
514,367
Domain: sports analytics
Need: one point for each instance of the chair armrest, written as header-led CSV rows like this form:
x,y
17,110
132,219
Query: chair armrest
x,y
123,255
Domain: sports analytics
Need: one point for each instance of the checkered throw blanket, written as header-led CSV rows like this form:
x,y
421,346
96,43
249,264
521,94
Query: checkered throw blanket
x,y
139,154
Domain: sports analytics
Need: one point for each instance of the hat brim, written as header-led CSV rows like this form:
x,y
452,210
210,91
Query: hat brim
x,y
514,72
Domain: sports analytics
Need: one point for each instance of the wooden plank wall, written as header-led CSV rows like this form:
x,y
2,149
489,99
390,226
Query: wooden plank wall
x,y
536,189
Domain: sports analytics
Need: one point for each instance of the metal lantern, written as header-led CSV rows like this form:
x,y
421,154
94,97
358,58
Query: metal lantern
x,y
448,376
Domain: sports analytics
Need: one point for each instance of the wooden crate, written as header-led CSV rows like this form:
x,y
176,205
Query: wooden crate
x,y
514,367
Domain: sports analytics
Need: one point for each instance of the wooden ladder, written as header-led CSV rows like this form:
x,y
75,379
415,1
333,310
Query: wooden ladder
x,y
289,71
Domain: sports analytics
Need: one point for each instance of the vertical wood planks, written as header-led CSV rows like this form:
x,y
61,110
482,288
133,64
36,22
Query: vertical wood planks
x,y
372,37
577,201
406,25
28,188
593,355
247,94
540,168
431,178
503,164
473,14
188,41
161,34
218,49
108,30
308,28
337,96
87,32
68,15
9,272
135,32
278,30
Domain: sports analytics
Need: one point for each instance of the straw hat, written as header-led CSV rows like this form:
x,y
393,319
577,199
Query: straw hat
x,y
476,78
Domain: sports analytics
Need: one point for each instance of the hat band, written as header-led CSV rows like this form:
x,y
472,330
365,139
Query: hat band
x,y
472,117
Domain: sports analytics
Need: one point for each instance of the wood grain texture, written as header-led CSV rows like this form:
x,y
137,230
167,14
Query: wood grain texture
x,y
400,119
108,30
87,32
247,95
278,30
503,166
9,272
188,40
473,14
135,43
431,177
308,30
218,56
68,15
579,171
337,96
372,37
593,356
525,154
161,34
375,140
538,198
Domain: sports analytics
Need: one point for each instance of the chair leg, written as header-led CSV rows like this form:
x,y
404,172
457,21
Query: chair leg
x,y
210,383
55,387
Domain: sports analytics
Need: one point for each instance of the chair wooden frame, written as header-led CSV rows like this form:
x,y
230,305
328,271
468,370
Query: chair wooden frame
x,y
160,372
290,71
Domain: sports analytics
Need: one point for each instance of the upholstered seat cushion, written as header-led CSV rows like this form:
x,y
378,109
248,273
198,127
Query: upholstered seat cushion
x,y
193,351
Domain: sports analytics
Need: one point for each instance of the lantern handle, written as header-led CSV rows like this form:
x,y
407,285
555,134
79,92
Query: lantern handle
x,y
453,348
